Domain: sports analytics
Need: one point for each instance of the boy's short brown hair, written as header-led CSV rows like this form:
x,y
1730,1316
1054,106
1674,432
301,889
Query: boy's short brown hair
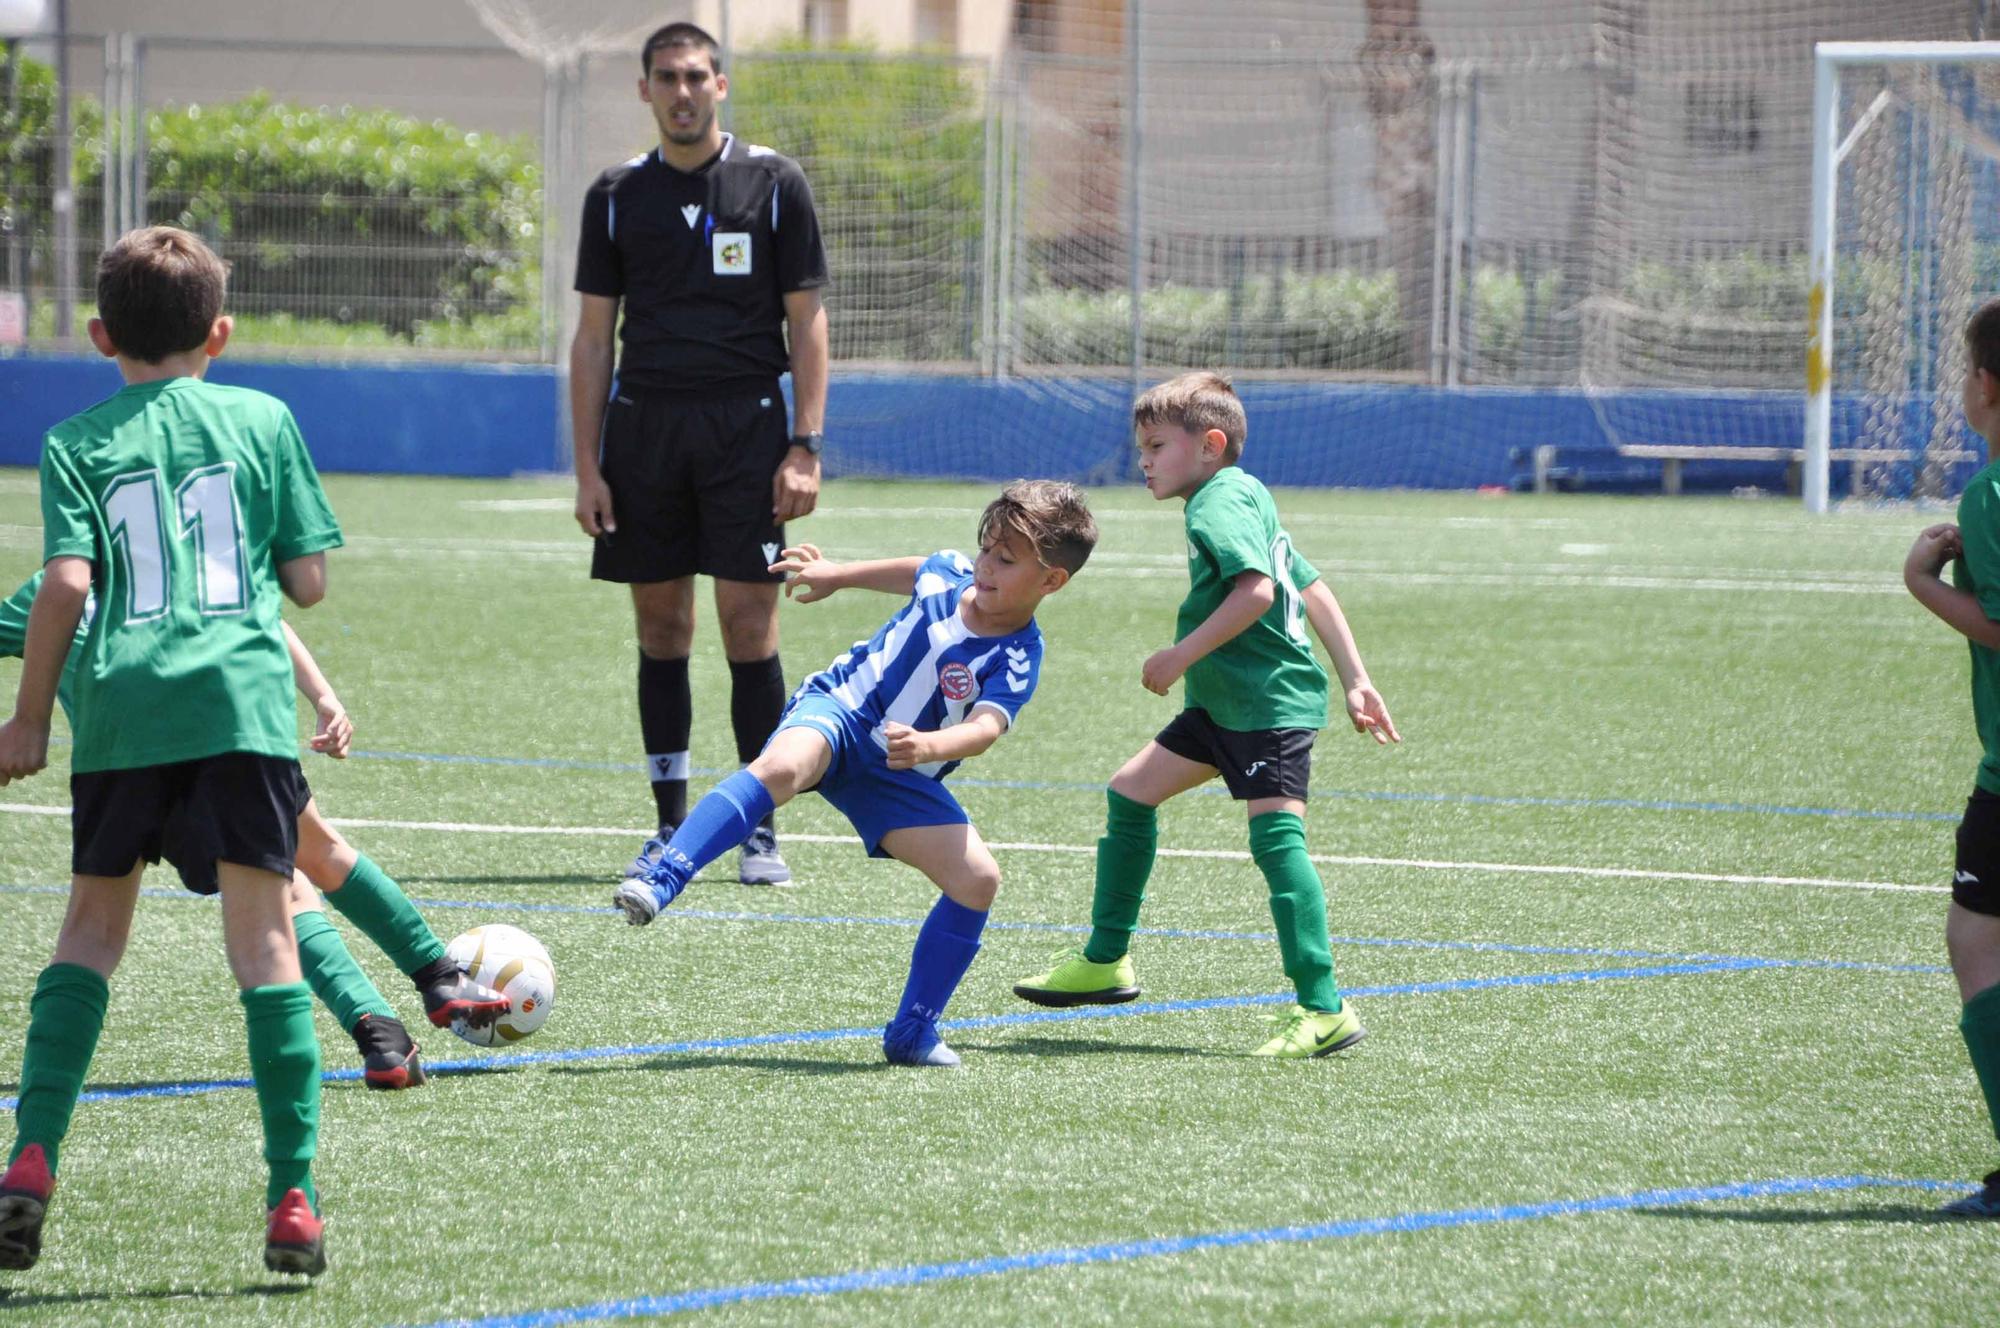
x,y
1982,338
159,292
1196,402
1048,514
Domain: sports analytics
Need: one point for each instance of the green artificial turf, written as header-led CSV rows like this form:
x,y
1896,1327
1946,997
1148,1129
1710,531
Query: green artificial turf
x,y
1637,730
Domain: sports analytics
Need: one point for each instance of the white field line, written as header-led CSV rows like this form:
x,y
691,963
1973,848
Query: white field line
x,y
1136,566
1213,855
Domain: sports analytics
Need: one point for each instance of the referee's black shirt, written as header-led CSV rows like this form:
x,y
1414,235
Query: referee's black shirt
x,y
703,260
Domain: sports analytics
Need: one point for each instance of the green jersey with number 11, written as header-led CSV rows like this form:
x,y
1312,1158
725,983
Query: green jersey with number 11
x,y
1266,677
185,497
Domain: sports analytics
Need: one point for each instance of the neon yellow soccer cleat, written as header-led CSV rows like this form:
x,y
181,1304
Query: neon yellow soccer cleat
x,y
1302,1033
1076,981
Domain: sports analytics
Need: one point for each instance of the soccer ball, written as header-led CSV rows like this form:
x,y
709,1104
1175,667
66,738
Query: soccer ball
x,y
514,964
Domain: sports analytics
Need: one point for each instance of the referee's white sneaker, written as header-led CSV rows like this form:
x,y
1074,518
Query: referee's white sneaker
x,y
761,863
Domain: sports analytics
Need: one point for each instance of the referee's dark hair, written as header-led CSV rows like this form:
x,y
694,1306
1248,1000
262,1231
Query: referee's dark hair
x,y
679,34
1982,338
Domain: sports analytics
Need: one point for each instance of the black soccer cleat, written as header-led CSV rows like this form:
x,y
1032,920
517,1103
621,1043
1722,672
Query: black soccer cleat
x,y
450,997
389,1058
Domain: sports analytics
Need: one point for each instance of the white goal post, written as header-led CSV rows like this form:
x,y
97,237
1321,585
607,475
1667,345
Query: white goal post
x,y
1904,138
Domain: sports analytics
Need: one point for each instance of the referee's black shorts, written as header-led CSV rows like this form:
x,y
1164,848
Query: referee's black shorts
x,y
690,482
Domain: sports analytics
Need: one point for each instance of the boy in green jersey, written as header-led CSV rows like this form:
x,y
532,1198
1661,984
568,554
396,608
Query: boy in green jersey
x,y
327,864
1256,696
185,509
1971,606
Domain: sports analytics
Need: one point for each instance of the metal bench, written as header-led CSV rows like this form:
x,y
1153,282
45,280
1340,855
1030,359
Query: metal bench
x,y
1672,456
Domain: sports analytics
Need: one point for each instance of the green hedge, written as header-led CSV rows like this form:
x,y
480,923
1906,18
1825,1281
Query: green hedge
x,y
1342,321
353,215
895,150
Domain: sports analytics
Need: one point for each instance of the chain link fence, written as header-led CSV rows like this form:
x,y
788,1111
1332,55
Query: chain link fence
x,y
1580,192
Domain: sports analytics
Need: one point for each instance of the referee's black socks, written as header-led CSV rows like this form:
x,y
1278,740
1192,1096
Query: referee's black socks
x,y
756,702
666,710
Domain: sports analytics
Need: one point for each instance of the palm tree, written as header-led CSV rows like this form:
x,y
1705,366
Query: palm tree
x,y
1398,69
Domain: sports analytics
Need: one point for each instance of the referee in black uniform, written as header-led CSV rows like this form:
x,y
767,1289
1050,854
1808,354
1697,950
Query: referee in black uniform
x,y
685,463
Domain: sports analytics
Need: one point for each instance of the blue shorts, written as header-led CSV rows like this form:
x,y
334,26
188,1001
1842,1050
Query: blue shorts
x,y
858,780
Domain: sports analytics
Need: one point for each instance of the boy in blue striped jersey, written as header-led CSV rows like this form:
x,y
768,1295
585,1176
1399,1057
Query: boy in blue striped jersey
x,y
876,732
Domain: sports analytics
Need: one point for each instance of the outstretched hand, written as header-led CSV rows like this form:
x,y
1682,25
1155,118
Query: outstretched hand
x,y
809,576
1370,714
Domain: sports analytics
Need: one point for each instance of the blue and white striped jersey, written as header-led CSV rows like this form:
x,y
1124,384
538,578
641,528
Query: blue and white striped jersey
x,y
925,668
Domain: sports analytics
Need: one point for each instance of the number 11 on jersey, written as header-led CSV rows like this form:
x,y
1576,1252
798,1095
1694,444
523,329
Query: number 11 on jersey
x,y
205,503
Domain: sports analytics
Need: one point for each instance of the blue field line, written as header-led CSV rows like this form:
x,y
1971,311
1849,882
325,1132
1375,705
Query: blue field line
x,y
1079,929
1114,1252
571,1055
1348,795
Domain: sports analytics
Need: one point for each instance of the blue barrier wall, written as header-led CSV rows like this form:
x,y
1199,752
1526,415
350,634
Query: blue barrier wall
x,y
486,420
422,420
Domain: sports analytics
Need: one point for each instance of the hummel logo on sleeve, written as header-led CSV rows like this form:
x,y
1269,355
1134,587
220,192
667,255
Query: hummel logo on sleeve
x,y
1017,669
1964,878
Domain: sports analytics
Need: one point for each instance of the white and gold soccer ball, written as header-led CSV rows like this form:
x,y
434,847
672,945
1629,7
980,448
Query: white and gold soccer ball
x,y
514,964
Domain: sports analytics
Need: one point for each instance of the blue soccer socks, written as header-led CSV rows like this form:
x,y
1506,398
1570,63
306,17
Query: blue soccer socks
x,y
719,822
946,944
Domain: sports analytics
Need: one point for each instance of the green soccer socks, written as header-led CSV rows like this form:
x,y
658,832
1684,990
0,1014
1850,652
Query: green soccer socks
x,y
65,1016
1124,861
284,1065
1298,907
332,973
378,906
1979,1022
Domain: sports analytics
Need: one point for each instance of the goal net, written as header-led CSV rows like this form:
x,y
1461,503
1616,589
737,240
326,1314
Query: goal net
x,y
1906,244
1429,238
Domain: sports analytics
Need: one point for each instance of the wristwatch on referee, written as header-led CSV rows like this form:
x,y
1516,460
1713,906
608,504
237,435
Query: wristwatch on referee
x,y
814,443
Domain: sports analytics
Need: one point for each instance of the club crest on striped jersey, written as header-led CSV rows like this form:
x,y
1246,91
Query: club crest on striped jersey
x,y
956,682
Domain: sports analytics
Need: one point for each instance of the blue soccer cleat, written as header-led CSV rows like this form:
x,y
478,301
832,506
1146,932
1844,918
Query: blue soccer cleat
x,y
913,1040
638,900
651,855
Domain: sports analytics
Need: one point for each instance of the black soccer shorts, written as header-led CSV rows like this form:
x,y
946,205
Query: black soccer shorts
x,y
1975,877
1258,763
237,807
690,482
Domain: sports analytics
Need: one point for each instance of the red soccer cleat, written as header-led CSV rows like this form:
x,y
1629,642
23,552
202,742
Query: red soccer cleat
x,y
294,1239
24,1201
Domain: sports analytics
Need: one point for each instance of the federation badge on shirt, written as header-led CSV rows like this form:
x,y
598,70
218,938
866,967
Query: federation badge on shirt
x,y
732,253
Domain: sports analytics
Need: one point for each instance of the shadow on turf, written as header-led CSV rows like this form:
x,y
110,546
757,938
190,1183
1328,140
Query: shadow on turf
x,y
708,1061
12,1299
1049,1046
1885,1214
